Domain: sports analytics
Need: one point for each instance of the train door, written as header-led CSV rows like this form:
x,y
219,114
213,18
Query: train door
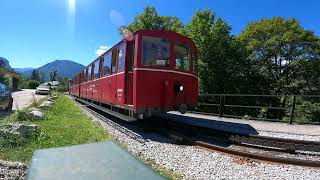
x,y
121,73
129,73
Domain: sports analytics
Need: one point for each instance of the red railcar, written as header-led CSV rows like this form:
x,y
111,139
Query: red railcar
x,y
153,72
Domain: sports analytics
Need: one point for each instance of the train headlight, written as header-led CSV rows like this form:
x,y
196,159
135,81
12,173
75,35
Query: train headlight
x,y
181,88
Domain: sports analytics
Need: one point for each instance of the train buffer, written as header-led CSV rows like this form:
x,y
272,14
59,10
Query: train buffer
x,y
106,160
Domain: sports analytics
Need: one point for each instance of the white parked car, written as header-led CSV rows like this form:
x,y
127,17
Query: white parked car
x,y
43,88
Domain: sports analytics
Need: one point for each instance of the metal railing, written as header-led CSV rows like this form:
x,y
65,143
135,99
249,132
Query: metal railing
x,y
262,107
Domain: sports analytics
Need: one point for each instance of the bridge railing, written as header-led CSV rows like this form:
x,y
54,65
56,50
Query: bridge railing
x,y
284,108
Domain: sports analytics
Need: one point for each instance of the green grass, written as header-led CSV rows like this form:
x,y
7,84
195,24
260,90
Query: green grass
x,y
64,125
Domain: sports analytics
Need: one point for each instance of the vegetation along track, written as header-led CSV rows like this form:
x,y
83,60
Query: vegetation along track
x,y
216,140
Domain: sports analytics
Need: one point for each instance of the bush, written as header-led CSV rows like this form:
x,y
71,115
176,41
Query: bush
x,y
3,78
307,112
23,115
33,84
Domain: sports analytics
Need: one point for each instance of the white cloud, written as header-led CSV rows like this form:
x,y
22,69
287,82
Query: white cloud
x,y
102,49
116,18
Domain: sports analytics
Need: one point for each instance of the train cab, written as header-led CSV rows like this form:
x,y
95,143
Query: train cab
x,y
164,73
153,71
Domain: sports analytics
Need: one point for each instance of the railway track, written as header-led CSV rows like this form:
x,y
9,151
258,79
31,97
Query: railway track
x,y
207,138
287,145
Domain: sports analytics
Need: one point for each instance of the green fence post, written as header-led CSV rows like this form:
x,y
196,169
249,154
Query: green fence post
x,y
292,109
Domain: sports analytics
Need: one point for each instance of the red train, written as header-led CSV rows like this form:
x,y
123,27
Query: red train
x,y
153,72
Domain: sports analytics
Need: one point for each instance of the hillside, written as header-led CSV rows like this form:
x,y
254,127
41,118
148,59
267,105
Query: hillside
x,y
4,63
21,70
65,68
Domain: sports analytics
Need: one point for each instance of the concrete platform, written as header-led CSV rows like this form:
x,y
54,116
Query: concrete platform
x,y
97,161
245,126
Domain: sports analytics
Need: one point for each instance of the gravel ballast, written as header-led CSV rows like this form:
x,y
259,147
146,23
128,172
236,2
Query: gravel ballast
x,y
12,170
290,136
196,163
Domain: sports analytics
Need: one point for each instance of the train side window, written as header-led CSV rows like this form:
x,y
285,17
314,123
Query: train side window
x,y
130,53
89,73
96,69
84,75
182,56
121,57
114,61
107,63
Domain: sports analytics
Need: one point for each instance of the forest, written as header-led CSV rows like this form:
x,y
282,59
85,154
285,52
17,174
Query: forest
x,y
274,56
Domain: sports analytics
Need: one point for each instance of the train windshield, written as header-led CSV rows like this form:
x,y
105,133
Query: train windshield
x,y
155,51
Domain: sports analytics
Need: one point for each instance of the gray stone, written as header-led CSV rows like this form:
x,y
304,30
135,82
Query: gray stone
x,y
17,130
45,104
54,95
36,113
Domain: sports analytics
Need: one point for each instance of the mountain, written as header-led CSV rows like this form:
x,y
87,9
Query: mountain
x,y
65,68
4,63
21,70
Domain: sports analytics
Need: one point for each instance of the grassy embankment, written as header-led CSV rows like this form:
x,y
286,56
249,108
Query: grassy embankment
x,y
64,125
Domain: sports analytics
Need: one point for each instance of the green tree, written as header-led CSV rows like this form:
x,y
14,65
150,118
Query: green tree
x,y
35,75
42,77
219,57
53,75
3,78
63,87
33,84
274,46
150,19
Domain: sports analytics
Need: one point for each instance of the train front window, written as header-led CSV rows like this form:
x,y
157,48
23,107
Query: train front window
x,y
182,56
155,51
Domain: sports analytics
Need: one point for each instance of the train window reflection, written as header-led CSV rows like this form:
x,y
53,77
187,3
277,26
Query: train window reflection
x,y
89,73
182,56
114,61
121,57
107,63
155,51
96,69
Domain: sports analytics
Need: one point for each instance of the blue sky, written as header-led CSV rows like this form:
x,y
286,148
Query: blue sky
x,y
35,32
